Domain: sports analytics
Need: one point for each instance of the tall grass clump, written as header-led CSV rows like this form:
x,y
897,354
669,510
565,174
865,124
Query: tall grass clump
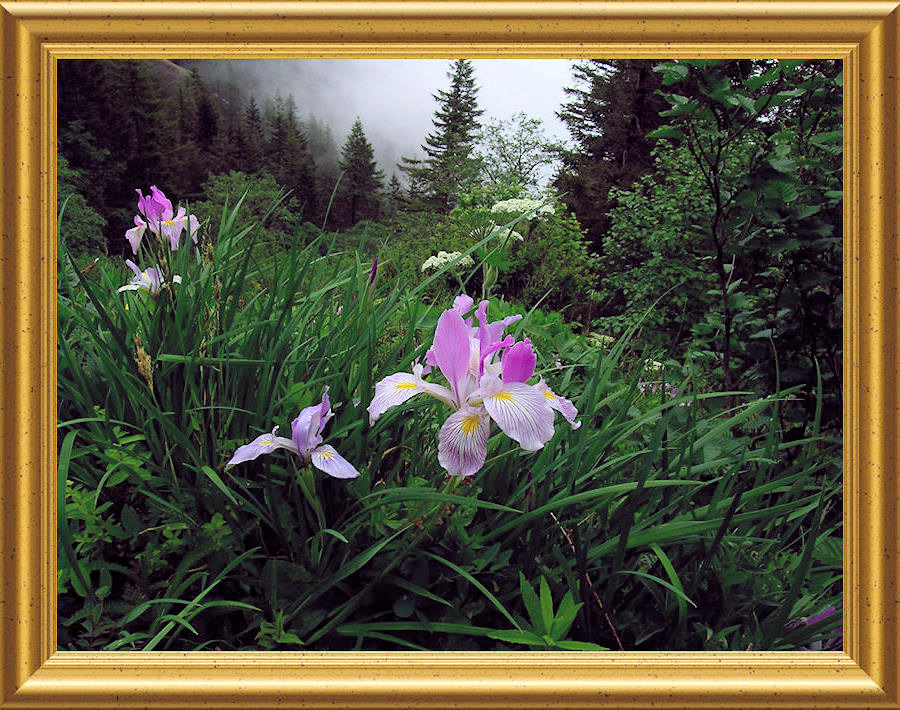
x,y
671,518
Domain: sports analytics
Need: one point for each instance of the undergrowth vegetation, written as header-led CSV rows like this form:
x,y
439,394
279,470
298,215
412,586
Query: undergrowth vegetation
x,y
672,518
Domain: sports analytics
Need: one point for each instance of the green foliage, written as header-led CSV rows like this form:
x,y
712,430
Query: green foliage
x,y
512,152
262,200
631,529
737,231
287,155
612,108
682,514
551,265
83,229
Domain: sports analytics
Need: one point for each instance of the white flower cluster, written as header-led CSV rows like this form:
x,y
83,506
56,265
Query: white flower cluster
x,y
445,257
653,365
523,205
601,339
504,232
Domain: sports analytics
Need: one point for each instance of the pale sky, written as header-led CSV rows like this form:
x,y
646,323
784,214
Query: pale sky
x,y
393,97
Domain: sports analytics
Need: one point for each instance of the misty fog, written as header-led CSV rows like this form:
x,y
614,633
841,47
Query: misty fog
x,y
394,97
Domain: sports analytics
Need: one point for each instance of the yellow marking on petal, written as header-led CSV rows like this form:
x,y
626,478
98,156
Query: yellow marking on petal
x,y
326,455
406,386
504,397
549,395
266,442
169,222
469,425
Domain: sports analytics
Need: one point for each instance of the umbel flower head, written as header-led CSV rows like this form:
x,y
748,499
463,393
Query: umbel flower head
x,y
523,205
480,388
445,257
157,215
305,441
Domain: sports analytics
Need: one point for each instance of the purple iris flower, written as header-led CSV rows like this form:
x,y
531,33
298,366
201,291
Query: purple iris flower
x,y
148,280
158,215
305,441
480,388
835,642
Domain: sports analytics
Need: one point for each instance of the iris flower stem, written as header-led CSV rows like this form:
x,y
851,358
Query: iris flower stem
x,y
307,483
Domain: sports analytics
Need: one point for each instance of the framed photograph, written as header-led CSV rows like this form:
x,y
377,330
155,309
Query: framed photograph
x,y
672,483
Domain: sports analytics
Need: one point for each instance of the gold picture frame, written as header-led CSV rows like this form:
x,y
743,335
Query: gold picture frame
x,y
865,35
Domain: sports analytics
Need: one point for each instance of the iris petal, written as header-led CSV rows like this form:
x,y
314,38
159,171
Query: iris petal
x,y
520,411
452,350
462,442
560,404
518,362
136,233
395,389
264,444
326,459
305,429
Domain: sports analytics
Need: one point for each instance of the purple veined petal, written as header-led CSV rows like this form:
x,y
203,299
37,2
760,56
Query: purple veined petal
x,y
193,227
326,459
452,350
161,203
392,391
134,267
508,341
462,304
324,411
396,389
173,227
143,202
305,430
264,444
491,333
149,280
518,362
520,410
462,442
560,404
136,233
154,278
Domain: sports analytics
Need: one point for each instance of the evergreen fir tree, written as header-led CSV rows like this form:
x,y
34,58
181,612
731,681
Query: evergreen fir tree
x,y
613,107
361,179
251,139
450,165
207,115
287,155
394,200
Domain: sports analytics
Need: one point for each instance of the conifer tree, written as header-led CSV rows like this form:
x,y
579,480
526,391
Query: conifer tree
x,y
613,108
450,165
394,199
251,139
361,178
287,155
